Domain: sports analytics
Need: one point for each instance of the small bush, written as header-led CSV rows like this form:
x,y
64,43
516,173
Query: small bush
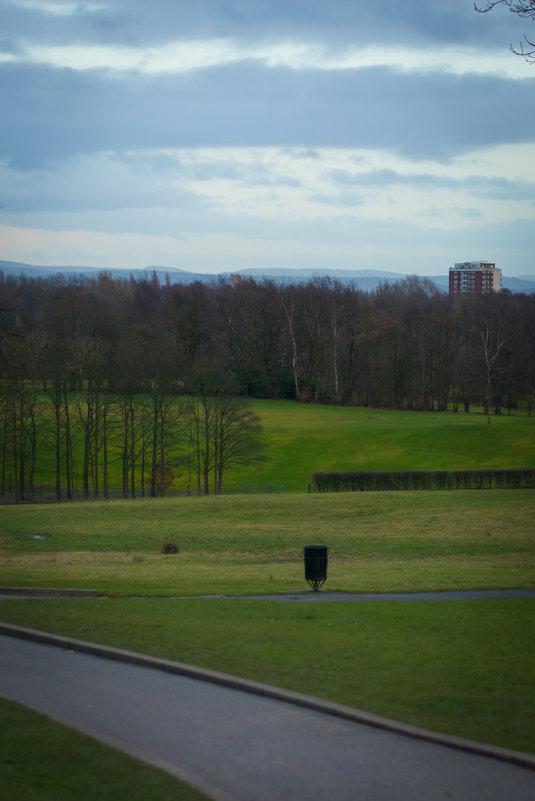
x,y
169,547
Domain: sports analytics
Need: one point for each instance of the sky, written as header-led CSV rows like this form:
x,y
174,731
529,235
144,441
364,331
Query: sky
x,y
220,135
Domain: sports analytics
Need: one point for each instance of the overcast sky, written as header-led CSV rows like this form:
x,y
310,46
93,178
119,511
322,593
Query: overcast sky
x,y
214,135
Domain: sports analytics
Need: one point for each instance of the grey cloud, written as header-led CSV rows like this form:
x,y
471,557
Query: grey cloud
x,y
52,113
502,189
263,177
10,47
172,167
293,183
303,153
37,24
499,188
339,199
90,184
340,22
441,212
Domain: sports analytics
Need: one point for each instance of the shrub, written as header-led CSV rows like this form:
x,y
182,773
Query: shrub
x,y
169,547
361,480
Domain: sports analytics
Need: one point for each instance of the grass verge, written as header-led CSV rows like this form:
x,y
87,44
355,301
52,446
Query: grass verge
x,y
40,760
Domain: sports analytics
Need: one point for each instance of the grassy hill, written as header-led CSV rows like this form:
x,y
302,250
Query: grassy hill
x,y
305,439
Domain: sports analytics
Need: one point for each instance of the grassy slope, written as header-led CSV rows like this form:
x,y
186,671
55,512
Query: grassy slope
x,y
253,543
305,439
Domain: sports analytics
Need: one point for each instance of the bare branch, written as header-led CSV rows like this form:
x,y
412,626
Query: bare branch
x,y
528,54
524,9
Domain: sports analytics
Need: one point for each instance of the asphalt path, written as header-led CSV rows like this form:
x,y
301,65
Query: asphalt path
x,y
447,595
237,745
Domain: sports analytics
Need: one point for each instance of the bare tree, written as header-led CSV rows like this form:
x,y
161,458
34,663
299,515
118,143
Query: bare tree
x,y
237,437
523,8
223,432
493,339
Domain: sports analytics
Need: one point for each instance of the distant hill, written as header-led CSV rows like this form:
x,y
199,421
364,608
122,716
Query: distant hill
x,y
367,280
176,275
35,271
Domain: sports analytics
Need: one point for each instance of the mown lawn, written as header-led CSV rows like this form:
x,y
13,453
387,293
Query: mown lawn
x,y
249,544
302,440
461,667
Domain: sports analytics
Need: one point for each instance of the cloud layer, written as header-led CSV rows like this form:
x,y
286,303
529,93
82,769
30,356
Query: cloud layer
x,y
259,133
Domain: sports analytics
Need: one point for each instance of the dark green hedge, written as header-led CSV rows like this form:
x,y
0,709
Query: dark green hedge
x,y
367,481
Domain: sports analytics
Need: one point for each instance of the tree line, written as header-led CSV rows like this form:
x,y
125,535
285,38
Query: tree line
x,y
93,369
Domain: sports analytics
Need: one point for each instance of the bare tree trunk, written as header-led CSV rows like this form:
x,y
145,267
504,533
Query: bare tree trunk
x,y
125,449
57,433
289,317
106,487
206,465
132,450
15,454
68,446
162,454
4,452
491,348
153,477
22,443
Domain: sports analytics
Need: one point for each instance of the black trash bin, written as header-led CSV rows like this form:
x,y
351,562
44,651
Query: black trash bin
x,y
315,565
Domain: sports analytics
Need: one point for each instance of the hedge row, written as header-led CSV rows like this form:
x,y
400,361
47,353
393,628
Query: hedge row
x,y
366,481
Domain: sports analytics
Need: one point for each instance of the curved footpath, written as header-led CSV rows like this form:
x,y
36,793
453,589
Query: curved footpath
x,y
238,740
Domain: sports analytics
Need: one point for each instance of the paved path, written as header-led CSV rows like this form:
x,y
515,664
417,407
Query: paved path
x,y
451,595
240,746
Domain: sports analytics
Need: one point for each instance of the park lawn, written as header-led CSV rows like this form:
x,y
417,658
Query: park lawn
x,y
463,667
41,760
304,439
252,544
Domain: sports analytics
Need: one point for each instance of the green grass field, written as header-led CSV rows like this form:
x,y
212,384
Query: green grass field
x,y
303,439
465,668
232,545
